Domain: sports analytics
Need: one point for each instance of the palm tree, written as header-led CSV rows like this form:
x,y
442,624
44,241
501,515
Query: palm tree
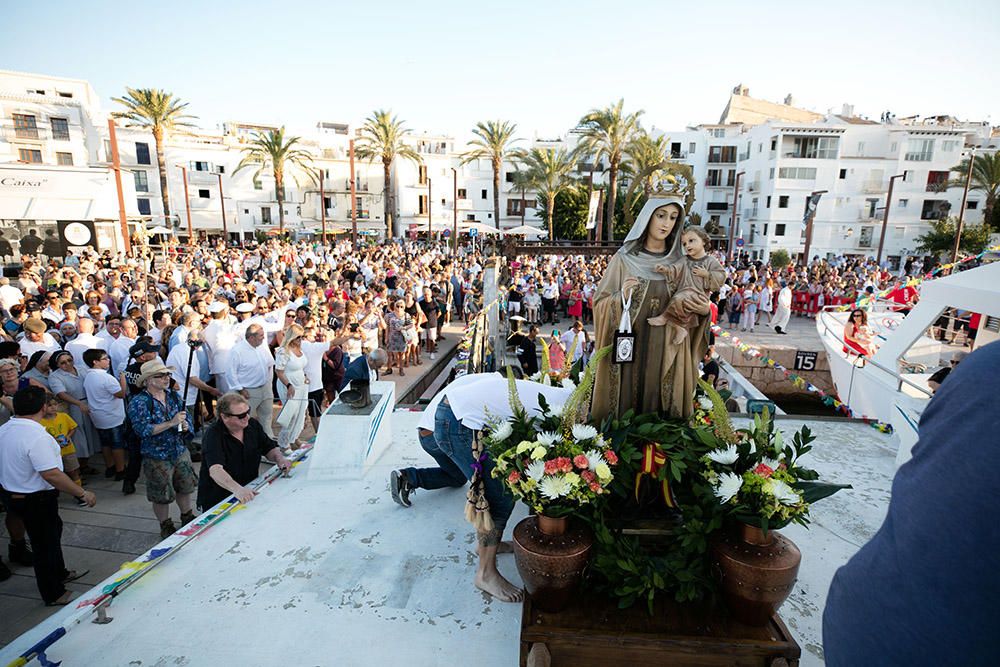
x,y
272,149
522,183
162,114
607,133
382,137
548,174
649,165
493,142
985,177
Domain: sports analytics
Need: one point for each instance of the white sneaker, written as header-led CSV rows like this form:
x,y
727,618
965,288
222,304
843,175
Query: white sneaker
x,y
434,356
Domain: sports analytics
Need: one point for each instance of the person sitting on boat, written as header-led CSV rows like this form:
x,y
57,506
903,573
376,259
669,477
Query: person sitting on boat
x,y
935,381
858,336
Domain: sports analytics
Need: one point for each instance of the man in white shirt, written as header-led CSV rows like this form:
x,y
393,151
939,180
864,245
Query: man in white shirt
x,y
465,409
112,329
85,340
161,320
106,401
119,349
31,476
219,341
249,372
36,338
9,295
178,360
574,339
314,351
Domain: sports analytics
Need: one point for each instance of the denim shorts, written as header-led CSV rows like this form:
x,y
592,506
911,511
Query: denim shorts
x,y
113,437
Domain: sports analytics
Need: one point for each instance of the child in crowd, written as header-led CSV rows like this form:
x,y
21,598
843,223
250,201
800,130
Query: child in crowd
x,y
61,427
693,280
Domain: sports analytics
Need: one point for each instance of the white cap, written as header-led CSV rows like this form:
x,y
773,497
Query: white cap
x,y
244,308
216,307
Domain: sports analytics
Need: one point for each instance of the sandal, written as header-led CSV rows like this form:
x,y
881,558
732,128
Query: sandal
x,y
388,372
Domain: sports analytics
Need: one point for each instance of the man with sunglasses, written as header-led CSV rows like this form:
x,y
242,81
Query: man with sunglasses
x,y
231,449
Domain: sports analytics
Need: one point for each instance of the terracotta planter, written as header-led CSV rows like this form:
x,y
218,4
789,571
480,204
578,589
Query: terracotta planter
x,y
551,555
758,571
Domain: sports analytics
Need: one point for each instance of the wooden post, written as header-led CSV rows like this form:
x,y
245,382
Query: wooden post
x,y
116,165
187,206
961,211
430,230
222,205
454,209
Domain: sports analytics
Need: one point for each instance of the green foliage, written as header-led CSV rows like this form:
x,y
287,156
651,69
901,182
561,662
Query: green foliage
x,y
569,214
939,240
985,179
383,137
623,566
779,258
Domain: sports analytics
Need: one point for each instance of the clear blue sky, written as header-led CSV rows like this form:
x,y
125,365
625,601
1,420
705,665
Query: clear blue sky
x,y
442,66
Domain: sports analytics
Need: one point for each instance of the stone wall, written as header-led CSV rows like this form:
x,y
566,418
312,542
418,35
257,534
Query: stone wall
x,y
772,382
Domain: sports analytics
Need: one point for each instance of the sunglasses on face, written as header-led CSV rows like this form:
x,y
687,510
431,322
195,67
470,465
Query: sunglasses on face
x,y
238,415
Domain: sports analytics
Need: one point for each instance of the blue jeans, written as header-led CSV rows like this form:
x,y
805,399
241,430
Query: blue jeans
x,y
446,474
455,442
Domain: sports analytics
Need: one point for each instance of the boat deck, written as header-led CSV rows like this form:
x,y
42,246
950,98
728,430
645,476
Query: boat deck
x,y
324,573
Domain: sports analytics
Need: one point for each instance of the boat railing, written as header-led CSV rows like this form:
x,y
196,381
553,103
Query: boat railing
x,y
900,380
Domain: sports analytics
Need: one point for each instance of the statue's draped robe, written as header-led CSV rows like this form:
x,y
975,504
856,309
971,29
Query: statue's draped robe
x,y
663,376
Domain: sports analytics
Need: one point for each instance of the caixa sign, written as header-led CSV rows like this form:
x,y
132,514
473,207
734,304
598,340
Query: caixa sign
x,y
20,182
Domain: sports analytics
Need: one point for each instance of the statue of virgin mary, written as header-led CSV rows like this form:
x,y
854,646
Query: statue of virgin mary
x,y
662,376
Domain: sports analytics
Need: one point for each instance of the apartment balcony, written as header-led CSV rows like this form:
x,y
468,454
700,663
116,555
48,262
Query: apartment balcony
x,y
359,187
937,187
12,133
873,187
753,186
865,216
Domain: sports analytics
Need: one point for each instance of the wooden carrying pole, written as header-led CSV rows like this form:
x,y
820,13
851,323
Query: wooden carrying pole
x,y
116,165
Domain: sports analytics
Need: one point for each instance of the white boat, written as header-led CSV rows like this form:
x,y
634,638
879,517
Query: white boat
x,y
891,386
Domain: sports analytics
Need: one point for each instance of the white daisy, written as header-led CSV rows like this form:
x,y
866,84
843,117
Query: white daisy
x,y
770,463
728,486
783,493
554,487
594,458
705,403
725,456
502,431
556,410
535,470
548,438
568,384
583,432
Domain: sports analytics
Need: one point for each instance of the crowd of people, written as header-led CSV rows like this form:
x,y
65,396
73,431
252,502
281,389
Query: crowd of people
x,y
147,365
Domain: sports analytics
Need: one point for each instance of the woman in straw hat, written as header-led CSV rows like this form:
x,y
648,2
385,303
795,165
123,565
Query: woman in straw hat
x,y
293,385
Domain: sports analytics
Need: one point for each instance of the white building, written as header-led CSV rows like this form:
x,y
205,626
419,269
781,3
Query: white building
x,y
55,175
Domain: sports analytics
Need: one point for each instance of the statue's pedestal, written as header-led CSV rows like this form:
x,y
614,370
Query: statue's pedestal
x,y
593,632
349,439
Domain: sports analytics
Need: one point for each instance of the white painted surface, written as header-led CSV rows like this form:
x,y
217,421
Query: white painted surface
x,y
334,573
348,444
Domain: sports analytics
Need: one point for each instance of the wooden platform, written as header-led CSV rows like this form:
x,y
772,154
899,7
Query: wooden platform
x,y
594,632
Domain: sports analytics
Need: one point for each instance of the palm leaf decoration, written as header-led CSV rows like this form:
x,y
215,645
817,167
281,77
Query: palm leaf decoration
x,y
577,407
721,426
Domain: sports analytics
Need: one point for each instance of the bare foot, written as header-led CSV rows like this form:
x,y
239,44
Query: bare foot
x,y
505,547
657,321
494,584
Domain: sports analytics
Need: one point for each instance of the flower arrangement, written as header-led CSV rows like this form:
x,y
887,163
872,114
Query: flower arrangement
x,y
550,461
755,476
553,472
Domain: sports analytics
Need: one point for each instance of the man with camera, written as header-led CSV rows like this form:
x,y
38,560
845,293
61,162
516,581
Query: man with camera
x,y
250,367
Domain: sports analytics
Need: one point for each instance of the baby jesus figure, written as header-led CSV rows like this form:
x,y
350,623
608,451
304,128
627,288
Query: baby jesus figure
x,y
693,280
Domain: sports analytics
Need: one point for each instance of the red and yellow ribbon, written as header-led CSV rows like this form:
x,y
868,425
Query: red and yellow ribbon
x,y
652,460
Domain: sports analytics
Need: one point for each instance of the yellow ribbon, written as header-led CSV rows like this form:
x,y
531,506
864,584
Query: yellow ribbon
x,y
652,460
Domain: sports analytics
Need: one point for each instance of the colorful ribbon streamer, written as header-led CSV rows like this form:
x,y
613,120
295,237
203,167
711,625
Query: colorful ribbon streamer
x,y
799,381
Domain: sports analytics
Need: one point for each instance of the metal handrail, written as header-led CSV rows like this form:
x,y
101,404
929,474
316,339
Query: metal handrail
x,y
901,380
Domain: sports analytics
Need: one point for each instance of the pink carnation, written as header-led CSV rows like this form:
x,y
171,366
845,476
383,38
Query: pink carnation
x,y
588,476
595,487
564,464
611,457
763,470
581,462
514,477
552,467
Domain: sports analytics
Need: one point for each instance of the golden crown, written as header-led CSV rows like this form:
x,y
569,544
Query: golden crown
x,y
668,186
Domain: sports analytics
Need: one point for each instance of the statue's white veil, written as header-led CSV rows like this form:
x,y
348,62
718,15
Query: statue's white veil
x,y
642,264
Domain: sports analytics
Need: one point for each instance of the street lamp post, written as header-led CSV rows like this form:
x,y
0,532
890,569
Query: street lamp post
x,y
322,208
809,227
961,211
430,231
732,223
187,204
354,206
454,209
885,216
